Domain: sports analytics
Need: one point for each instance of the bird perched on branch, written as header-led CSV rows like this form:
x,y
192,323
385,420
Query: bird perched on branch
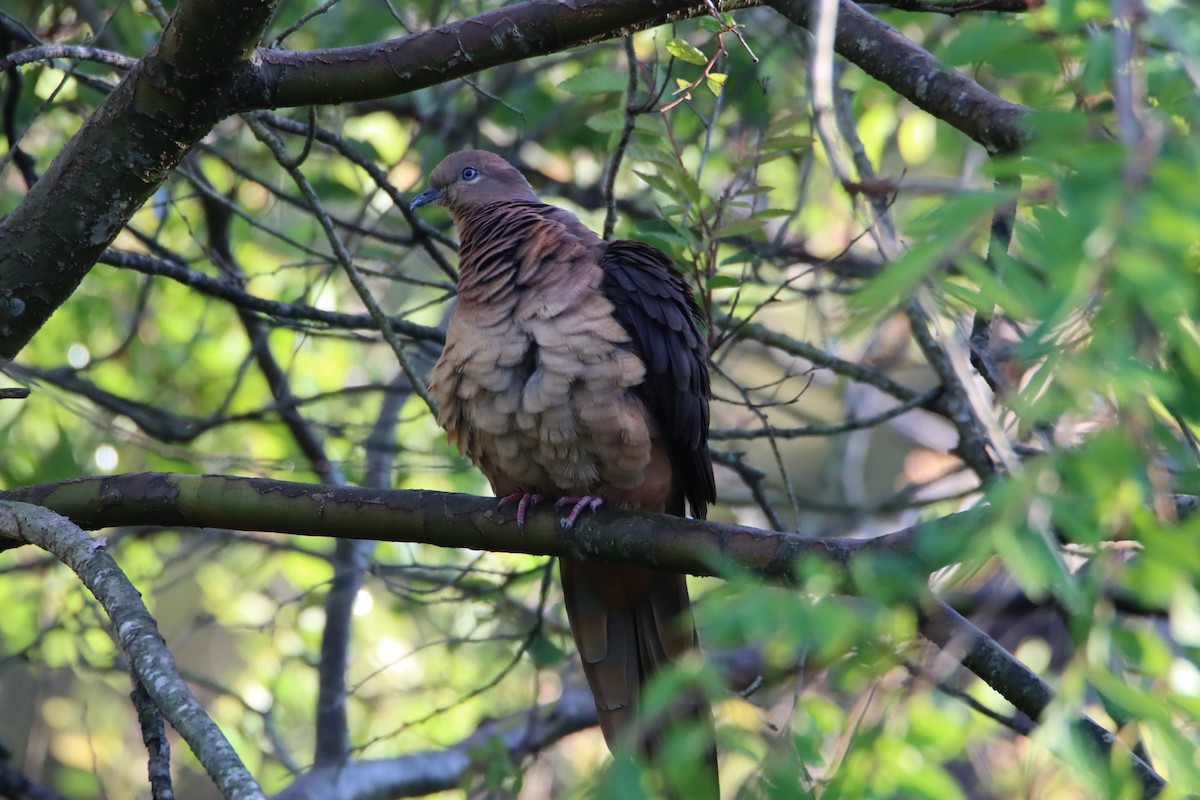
x,y
575,370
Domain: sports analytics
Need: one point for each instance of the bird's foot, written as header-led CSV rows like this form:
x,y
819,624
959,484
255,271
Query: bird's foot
x,y
524,501
586,501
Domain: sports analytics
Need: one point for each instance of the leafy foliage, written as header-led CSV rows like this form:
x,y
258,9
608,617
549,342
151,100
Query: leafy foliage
x,y
1062,280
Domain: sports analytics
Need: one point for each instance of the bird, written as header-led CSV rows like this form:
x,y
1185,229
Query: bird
x,y
576,369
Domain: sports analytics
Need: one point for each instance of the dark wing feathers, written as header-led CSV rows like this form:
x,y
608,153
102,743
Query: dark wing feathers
x,y
654,304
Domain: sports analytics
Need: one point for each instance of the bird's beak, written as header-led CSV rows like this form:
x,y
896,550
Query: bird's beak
x,y
430,195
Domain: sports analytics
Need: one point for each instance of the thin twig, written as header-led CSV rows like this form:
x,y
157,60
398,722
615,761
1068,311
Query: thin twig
x,y
614,162
832,429
345,261
49,52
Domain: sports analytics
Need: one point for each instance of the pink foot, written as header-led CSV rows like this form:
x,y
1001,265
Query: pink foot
x,y
524,501
586,501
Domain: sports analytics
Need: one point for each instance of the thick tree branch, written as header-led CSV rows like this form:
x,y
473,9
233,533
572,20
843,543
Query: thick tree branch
x,y
691,546
121,155
201,72
887,55
513,33
696,547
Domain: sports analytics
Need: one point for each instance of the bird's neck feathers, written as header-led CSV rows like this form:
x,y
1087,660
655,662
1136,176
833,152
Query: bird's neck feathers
x,y
489,238
504,249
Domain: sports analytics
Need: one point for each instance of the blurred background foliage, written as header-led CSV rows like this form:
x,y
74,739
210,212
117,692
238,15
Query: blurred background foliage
x,y
1087,571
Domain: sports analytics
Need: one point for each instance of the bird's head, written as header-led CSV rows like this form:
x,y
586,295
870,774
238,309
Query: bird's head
x,y
469,179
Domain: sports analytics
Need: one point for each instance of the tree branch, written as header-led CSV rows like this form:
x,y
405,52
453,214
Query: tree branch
x,y
119,158
978,652
442,519
158,746
201,71
430,771
679,545
276,309
513,33
138,637
887,55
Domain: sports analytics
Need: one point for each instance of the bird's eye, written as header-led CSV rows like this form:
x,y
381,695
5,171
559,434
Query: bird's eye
x,y
470,174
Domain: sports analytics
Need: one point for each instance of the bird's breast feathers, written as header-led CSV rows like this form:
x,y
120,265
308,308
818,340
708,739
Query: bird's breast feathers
x,y
539,396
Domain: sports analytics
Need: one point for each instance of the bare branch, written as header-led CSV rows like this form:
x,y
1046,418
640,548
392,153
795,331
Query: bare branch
x,y
430,771
235,295
513,33
820,358
158,746
696,547
828,430
49,52
138,637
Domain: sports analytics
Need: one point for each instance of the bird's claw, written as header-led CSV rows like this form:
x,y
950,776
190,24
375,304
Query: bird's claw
x,y
586,501
524,501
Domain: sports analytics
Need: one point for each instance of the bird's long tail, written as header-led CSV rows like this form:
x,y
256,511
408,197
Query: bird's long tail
x,y
629,623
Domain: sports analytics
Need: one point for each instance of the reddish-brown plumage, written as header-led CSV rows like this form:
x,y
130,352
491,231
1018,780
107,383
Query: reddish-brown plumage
x,y
575,367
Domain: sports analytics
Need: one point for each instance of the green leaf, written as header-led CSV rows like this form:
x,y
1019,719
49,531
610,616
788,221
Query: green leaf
x,y
738,227
656,182
662,233
607,121
654,153
716,82
673,182
786,144
992,292
722,282
956,213
898,280
712,24
740,257
545,653
686,52
595,81
979,43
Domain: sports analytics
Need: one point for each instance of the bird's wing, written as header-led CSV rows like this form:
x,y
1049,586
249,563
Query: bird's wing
x,y
654,304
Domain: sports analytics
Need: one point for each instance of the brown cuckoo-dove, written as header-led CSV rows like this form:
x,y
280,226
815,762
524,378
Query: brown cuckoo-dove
x,y
574,369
